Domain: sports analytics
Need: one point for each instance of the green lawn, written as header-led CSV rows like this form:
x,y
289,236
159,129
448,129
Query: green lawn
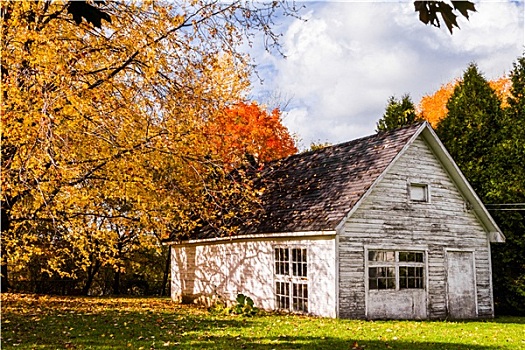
x,y
42,322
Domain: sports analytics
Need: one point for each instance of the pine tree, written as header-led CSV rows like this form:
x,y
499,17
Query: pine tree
x,y
488,144
507,187
398,113
469,131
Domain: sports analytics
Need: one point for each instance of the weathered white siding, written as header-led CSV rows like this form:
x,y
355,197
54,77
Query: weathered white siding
x,y
247,266
387,218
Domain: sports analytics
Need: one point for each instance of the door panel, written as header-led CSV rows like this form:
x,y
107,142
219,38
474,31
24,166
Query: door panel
x,y
402,304
461,285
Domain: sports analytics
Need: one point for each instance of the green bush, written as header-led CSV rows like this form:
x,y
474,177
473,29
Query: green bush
x,y
244,306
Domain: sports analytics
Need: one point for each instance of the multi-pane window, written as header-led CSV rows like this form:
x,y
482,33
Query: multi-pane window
x,y
381,278
410,277
291,275
300,297
282,294
299,264
389,269
282,261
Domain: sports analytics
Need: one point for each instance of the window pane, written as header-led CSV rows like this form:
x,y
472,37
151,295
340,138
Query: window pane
x,y
410,257
403,283
411,277
378,255
419,192
300,297
299,262
282,265
381,278
282,295
418,282
388,271
372,272
386,283
403,272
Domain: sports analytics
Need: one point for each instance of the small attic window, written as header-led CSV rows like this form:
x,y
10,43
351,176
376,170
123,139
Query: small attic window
x,y
418,192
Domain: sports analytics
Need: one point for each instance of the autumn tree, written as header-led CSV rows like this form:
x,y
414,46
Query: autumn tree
x,y
314,146
398,114
100,118
433,108
248,131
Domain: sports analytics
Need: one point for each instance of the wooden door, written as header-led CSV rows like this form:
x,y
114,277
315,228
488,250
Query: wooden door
x,y
461,285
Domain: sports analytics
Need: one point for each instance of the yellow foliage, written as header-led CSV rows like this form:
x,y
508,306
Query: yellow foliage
x,y
102,129
502,88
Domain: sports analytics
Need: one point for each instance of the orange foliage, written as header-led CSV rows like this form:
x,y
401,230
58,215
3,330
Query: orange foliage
x,y
433,108
502,87
248,129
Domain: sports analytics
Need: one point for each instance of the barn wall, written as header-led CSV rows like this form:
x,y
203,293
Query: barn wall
x,y
387,218
246,266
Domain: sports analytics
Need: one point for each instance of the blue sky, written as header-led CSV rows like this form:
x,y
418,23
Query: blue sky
x,y
348,57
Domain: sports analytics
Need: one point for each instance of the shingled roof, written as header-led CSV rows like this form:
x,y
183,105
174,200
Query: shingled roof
x,y
314,191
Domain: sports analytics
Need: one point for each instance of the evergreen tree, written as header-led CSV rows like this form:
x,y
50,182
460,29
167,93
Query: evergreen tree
x,y
398,114
488,144
471,128
507,188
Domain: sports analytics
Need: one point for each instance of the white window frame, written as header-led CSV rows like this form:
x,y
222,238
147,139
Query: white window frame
x,y
396,265
288,282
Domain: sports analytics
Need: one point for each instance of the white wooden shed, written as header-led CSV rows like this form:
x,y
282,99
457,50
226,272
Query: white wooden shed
x,y
385,226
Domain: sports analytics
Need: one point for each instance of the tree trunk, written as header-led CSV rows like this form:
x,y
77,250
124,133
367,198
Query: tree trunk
x,y
116,277
166,273
116,282
92,272
5,225
4,283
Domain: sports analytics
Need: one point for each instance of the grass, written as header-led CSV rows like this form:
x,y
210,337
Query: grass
x,y
43,322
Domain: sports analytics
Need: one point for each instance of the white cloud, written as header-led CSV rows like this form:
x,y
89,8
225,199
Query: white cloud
x,y
346,59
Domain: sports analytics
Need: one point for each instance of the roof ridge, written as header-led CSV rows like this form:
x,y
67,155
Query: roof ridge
x,y
353,141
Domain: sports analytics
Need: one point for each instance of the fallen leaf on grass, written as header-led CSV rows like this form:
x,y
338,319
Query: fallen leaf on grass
x,y
355,346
